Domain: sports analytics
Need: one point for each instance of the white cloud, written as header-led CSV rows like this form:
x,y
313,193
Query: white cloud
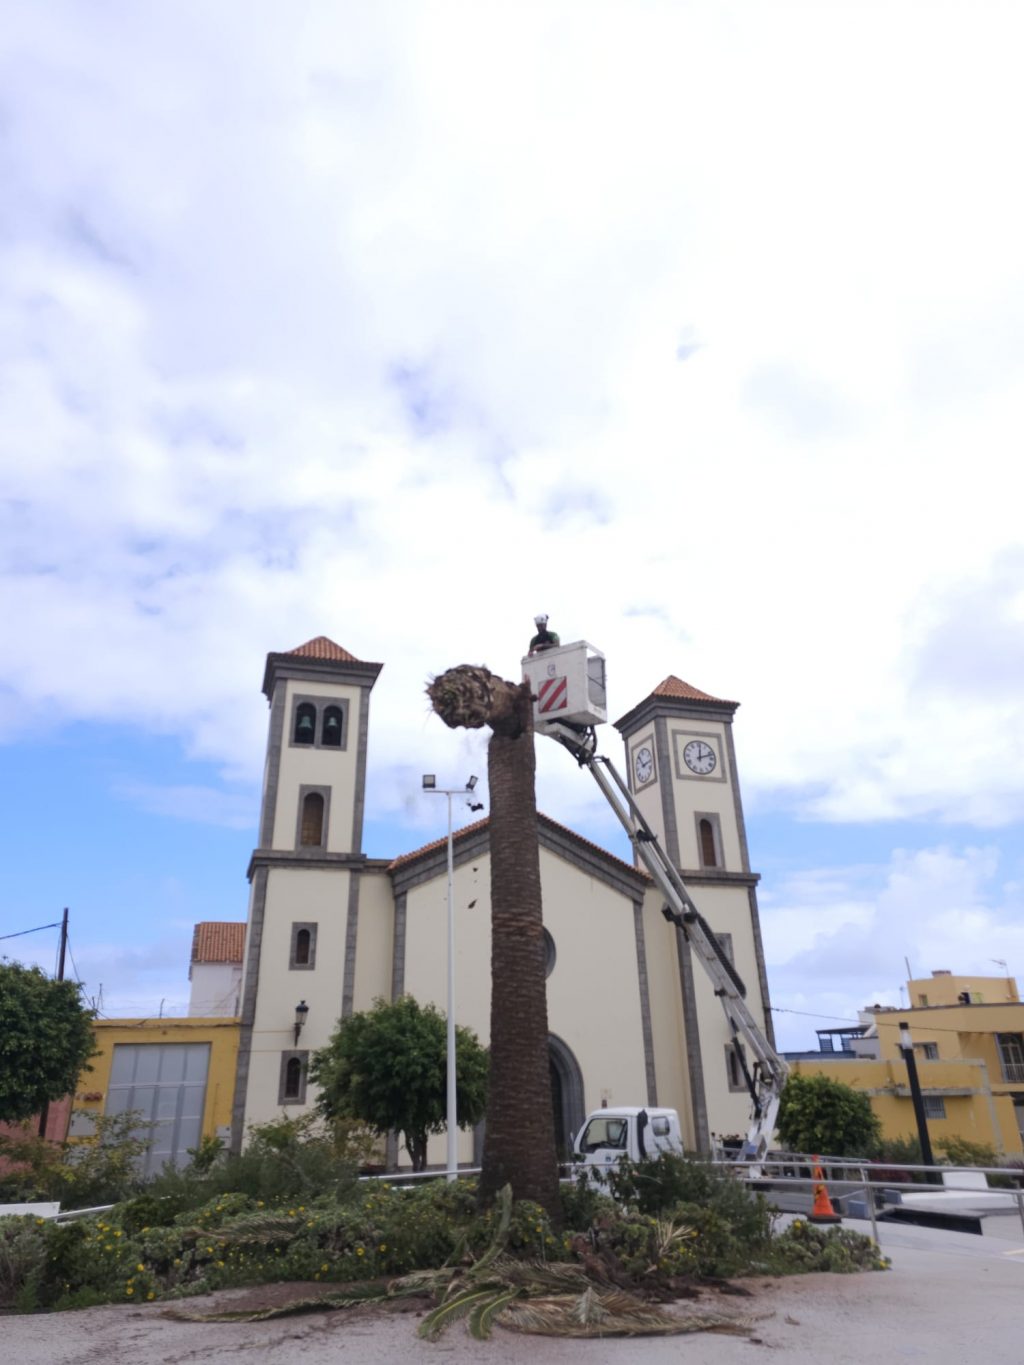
x,y
838,939
368,325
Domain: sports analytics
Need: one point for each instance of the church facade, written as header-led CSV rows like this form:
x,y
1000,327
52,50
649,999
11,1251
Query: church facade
x,y
632,1019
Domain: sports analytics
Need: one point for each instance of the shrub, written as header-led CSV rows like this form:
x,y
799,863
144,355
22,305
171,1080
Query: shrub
x,y
673,1182
289,1159
820,1116
804,1247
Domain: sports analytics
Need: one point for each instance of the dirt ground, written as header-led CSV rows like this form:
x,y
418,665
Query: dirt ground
x,y
948,1298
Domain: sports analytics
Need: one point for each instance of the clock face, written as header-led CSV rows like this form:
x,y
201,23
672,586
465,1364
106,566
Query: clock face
x,y
699,757
643,765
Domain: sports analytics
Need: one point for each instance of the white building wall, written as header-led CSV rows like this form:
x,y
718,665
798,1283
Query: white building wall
x,y
216,989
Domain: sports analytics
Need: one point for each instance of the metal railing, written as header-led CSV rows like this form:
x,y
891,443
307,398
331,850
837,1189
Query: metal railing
x,y
867,1178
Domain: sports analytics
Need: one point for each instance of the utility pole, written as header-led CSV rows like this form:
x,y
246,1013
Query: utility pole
x,y
907,1048
44,1113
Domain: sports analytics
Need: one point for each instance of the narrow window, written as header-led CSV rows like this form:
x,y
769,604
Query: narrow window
x,y
302,954
305,723
292,1078
930,1051
734,1069
291,1087
707,844
934,1107
312,820
330,735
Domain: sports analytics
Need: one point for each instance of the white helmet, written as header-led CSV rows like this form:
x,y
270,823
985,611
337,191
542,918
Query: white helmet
x,y
540,621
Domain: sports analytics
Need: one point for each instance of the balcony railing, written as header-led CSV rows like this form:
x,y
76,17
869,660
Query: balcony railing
x,y
1014,1072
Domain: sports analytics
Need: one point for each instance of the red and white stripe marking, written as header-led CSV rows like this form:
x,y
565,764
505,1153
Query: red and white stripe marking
x,y
552,695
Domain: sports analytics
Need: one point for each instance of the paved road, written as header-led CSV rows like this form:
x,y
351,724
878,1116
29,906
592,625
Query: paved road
x,y
950,1298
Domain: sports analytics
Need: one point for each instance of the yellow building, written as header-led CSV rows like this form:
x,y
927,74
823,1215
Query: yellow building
x,y
968,1037
178,1073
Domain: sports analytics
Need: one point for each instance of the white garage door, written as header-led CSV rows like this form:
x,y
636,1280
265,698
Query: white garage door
x,y
166,1083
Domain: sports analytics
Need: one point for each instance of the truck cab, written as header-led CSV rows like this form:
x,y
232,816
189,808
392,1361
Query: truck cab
x,y
609,1136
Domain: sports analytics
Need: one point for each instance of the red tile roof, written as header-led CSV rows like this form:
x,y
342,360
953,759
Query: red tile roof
x,y
675,687
459,834
218,941
543,820
322,648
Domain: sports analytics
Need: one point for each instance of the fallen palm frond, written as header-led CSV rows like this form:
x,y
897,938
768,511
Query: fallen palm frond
x,y
354,1297
256,1229
608,1313
552,1298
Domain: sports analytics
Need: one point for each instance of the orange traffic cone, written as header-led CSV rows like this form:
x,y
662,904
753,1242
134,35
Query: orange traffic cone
x,y
822,1212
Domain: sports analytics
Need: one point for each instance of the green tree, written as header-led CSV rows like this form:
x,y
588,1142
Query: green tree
x,y
519,1144
387,1067
45,1039
823,1117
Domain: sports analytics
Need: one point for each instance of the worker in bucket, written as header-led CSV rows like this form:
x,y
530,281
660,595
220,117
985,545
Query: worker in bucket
x,y
544,639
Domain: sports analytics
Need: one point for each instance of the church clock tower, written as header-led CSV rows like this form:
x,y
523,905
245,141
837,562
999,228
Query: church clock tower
x,y
682,773
305,876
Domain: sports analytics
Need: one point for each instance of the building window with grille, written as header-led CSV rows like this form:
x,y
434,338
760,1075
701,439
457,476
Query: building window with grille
x,y
1011,1056
934,1106
314,805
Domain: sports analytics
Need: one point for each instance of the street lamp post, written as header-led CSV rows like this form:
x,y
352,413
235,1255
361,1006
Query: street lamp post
x,y
907,1048
430,785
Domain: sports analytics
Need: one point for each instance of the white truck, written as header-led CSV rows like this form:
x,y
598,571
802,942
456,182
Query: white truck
x,y
610,1135
568,684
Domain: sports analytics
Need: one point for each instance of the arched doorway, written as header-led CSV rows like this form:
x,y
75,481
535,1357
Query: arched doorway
x,y
566,1095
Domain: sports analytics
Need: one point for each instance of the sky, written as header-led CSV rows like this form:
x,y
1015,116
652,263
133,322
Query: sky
x,y
698,326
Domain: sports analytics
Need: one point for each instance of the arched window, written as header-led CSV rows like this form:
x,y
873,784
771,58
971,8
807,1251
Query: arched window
x,y
312,835
293,1078
305,723
330,734
302,941
708,856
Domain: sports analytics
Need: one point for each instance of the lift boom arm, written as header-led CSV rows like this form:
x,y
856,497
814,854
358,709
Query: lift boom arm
x,y
765,1080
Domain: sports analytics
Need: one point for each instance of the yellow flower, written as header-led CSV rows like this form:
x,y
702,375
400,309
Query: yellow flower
x,y
129,1290
40,1222
118,1233
220,1263
324,1266
382,1247
360,1251
151,1295
140,1266
259,1203
108,1247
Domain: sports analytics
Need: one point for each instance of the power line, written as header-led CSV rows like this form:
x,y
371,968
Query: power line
x,y
74,965
38,929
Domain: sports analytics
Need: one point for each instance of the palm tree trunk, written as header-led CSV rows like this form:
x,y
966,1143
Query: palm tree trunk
x,y
519,1141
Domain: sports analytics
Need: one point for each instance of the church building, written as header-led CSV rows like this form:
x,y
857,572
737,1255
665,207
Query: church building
x,y
633,1020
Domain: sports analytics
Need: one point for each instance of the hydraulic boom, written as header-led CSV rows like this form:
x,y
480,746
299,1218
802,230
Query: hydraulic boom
x,y
767,1076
